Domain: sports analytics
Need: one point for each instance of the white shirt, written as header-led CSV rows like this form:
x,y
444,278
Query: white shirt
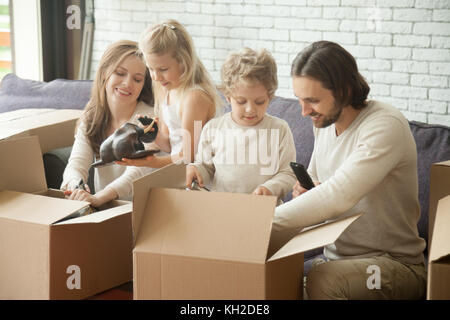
x,y
370,168
117,177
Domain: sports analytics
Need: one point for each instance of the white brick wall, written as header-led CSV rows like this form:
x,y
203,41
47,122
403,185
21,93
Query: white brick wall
x,y
402,47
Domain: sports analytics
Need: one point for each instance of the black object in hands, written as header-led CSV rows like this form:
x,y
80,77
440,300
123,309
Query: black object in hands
x,y
150,136
302,175
127,142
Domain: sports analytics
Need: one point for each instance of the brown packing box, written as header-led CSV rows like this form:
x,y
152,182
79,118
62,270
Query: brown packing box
x,y
439,251
55,128
42,258
439,188
439,258
212,245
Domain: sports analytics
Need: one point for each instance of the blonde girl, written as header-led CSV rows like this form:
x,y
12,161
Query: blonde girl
x,y
185,96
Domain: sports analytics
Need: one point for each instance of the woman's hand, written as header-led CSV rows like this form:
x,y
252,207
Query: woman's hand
x,y
262,191
83,195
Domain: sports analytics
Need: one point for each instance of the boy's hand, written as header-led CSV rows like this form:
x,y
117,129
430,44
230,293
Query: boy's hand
x,y
192,174
262,191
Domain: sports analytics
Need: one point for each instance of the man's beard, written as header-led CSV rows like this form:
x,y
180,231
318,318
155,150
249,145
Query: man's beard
x,y
328,120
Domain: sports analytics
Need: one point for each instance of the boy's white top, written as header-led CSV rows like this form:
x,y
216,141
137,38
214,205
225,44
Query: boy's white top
x,y
371,168
234,158
117,177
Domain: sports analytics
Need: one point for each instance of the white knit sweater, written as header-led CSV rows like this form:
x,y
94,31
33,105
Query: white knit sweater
x,y
370,168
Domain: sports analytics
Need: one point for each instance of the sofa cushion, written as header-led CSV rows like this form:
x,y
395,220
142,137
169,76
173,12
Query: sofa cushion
x,y
433,145
17,93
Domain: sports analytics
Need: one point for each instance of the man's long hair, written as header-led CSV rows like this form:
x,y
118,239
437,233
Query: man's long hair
x,y
336,69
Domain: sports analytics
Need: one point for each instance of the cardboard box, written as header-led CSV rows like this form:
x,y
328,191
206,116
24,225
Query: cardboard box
x,y
439,188
55,128
439,258
212,245
438,286
43,257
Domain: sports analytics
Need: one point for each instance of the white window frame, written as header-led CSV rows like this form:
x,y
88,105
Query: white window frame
x,y
26,34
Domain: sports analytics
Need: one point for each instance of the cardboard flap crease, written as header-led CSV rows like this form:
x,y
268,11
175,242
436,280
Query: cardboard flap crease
x,y
317,237
162,178
100,216
35,208
185,223
22,167
440,245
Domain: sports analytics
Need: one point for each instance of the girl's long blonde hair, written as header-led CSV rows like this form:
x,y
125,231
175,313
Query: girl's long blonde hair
x,y
96,115
171,37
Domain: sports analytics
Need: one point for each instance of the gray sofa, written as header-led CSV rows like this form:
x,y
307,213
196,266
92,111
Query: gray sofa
x,y
433,141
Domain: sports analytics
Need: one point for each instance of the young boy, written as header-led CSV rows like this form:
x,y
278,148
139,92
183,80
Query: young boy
x,y
246,150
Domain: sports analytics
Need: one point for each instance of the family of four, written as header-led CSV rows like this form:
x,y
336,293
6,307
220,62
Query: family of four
x,y
364,158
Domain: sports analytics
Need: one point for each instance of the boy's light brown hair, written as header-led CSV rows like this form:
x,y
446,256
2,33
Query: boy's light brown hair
x,y
251,66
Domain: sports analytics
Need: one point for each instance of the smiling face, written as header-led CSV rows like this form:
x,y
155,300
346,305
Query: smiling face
x,y
126,82
316,101
249,102
164,69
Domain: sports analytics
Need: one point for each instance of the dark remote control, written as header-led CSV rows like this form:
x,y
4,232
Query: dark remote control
x,y
302,175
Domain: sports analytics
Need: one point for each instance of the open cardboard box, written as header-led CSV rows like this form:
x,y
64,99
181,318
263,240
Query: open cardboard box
x,y
438,286
213,245
43,257
55,128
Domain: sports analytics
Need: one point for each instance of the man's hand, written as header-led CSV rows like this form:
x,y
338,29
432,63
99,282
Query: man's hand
x,y
262,191
192,174
298,189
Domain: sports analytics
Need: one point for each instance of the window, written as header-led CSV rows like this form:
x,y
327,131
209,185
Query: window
x,y
5,39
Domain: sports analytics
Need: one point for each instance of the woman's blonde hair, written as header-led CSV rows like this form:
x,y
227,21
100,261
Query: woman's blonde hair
x,y
171,37
97,115
250,66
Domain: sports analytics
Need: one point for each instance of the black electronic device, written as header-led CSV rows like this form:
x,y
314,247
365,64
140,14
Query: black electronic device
x,y
302,175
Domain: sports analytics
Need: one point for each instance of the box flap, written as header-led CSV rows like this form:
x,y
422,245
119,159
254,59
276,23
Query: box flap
x,y
35,208
22,167
28,119
99,216
171,176
213,225
443,163
317,237
54,127
440,245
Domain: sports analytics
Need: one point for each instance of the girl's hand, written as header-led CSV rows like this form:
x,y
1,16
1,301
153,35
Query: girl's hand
x,y
149,161
192,174
262,191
